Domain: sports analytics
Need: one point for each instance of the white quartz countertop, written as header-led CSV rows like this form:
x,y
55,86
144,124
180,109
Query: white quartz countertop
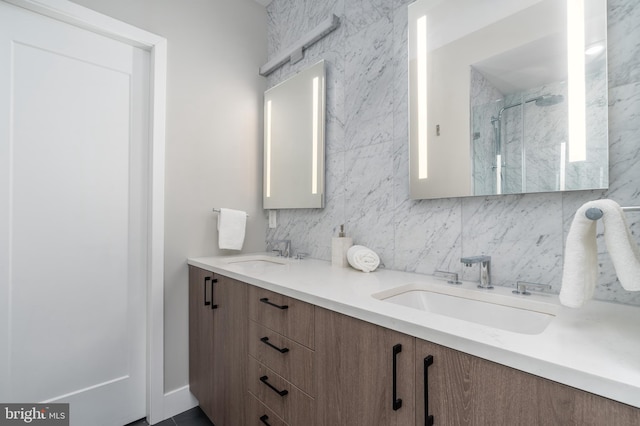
x,y
595,348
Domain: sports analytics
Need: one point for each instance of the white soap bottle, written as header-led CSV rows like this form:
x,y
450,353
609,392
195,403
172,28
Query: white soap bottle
x,y
339,247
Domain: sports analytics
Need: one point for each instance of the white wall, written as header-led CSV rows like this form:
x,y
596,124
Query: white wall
x,y
214,135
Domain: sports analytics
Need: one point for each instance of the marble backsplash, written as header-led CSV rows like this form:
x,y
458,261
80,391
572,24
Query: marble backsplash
x,y
367,185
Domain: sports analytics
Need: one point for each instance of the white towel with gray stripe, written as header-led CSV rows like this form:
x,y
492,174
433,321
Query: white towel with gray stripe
x,y
580,273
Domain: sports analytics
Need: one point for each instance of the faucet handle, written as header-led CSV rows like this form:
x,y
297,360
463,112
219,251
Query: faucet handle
x,y
452,277
521,287
301,256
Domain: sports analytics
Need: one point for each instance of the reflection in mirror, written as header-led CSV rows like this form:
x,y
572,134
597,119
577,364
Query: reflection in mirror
x,y
294,118
507,97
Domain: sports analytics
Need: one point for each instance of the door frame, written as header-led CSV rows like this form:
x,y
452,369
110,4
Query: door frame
x,y
80,16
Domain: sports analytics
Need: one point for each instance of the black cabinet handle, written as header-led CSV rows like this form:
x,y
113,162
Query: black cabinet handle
x,y
265,340
397,402
264,379
428,418
206,280
264,419
213,281
266,300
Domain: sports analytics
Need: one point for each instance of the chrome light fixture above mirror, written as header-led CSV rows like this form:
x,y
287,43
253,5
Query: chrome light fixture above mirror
x,y
507,97
294,121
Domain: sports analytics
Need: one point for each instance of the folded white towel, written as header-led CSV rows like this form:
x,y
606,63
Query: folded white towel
x,y
362,258
581,264
231,229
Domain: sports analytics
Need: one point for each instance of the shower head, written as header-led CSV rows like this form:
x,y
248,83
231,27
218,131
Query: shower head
x,y
548,100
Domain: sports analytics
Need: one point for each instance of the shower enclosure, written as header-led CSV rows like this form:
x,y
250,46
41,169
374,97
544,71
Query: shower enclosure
x,y
519,140
527,134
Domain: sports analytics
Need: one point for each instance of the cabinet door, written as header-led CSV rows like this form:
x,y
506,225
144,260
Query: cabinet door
x,y
228,361
218,345
355,373
201,337
467,390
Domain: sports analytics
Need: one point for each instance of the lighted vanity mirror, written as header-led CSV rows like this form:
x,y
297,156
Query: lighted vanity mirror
x,y
294,120
507,97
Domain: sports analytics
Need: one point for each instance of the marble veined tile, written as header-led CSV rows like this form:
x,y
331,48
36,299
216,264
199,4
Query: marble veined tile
x,y
334,125
427,236
361,14
400,173
521,233
369,85
310,230
369,198
623,48
334,176
624,134
400,75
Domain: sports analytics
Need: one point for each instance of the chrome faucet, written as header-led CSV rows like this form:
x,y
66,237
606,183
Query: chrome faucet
x,y
485,269
286,252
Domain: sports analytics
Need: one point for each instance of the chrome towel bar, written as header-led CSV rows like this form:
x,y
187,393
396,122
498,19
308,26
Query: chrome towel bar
x,y
218,211
595,214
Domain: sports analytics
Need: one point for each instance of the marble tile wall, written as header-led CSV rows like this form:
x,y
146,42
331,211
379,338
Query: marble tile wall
x,y
367,157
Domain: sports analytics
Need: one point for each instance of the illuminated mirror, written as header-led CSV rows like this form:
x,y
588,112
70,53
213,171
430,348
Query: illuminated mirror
x,y
507,97
294,120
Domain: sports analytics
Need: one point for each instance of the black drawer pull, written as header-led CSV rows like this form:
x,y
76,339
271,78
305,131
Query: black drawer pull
x,y
206,280
266,300
428,418
264,379
213,281
265,340
264,419
397,402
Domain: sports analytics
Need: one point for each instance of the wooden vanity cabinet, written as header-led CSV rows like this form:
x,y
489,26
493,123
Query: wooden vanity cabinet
x,y
338,370
281,360
356,382
218,323
467,390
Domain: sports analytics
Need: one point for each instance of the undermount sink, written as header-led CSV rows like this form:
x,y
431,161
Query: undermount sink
x,y
517,314
256,261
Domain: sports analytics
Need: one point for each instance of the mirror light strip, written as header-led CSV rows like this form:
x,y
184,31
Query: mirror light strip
x,y
268,148
422,96
498,174
563,165
576,80
314,131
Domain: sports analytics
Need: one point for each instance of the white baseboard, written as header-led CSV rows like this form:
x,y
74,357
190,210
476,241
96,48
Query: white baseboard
x,y
177,401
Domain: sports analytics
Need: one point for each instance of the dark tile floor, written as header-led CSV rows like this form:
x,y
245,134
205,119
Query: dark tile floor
x,y
193,417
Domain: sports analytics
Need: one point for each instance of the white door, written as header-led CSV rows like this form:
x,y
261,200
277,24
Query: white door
x,y
73,167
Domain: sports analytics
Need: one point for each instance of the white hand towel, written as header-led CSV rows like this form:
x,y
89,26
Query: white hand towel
x,y
362,258
581,264
231,229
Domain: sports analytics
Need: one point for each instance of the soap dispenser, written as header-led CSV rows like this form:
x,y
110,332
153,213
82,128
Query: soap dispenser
x,y
339,247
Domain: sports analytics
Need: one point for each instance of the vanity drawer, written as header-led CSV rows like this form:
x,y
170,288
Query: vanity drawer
x,y
259,415
295,407
287,358
289,317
